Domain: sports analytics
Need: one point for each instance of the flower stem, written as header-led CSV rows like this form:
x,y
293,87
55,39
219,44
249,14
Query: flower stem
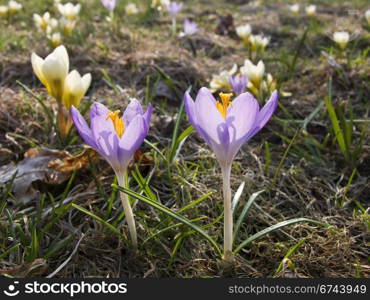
x,y
64,121
174,26
122,181
228,216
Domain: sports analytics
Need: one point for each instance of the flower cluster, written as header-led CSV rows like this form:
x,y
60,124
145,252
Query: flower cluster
x,y
309,9
255,43
68,88
250,76
53,28
12,8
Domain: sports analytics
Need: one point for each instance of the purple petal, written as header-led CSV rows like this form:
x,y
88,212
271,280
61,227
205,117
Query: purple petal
x,y
208,117
134,108
82,127
132,139
265,114
98,109
242,115
190,108
147,115
105,135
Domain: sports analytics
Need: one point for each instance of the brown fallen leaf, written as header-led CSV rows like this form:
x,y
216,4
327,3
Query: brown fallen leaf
x,y
70,163
49,166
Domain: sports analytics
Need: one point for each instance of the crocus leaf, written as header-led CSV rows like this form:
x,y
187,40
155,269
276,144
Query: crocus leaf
x,y
274,228
246,208
100,220
170,213
289,253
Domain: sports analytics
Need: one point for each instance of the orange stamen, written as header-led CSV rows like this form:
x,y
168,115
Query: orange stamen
x,y
118,123
224,103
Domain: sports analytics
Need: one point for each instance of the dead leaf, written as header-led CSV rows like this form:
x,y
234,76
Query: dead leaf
x,y
49,166
71,163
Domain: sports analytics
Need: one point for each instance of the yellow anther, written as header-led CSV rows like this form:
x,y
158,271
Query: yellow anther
x,y
224,103
119,125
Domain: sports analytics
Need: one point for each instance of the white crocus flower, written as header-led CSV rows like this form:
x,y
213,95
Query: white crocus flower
x,y
294,8
258,42
69,11
14,6
222,80
75,88
253,72
67,25
367,16
55,39
244,31
160,4
43,21
310,10
131,9
341,38
3,10
52,70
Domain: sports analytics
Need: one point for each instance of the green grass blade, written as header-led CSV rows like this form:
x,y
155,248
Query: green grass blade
x,y
274,228
8,251
288,254
100,220
334,120
245,211
237,197
179,142
172,214
195,202
173,148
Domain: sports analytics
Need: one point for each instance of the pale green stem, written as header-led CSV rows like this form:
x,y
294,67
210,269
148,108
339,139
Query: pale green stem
x,y
228,216
122,179
174,26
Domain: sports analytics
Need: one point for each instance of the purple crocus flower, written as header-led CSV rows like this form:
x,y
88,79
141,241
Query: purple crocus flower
x,y
238,83
174,8
116,139
226,126
190,27
109,4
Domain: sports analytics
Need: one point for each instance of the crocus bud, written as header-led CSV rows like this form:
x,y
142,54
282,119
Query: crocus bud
x,y
341,38
310,10
294,8
14,6
3,11
367,16
55,39
131,9
75,88
52,70
244,31
238,84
